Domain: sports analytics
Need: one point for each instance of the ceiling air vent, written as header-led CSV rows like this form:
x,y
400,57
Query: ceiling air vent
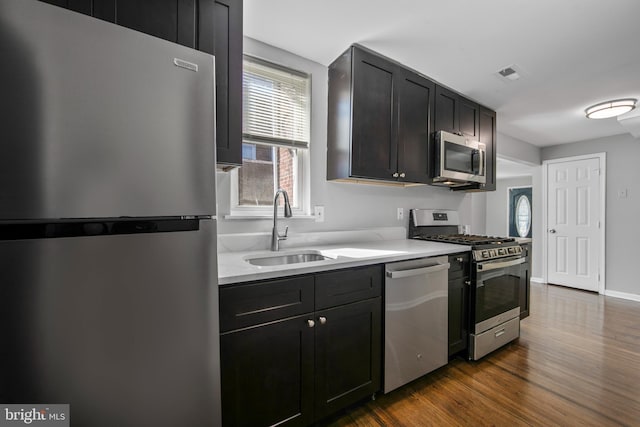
x,y
509,73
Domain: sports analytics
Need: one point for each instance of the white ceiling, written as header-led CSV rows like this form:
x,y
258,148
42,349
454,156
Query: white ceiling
x,y
571,53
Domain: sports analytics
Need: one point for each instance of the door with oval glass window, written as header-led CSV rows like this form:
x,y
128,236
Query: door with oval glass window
x,y
520,210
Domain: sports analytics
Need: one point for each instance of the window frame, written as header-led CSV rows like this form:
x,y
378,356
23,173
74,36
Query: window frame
x,y
302,165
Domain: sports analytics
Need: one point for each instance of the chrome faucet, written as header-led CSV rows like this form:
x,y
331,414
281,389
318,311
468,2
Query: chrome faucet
x,y
275,235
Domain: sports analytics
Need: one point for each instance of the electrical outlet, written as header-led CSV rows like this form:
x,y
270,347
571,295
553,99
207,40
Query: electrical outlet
x,y
318,213
400,216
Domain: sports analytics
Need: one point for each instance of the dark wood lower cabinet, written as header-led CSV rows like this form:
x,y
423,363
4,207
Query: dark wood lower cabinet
x,y
525,284
301,367
268,374
458,302
348,353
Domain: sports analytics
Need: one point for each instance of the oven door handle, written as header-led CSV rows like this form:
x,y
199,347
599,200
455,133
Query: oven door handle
x,y
397,274
500,264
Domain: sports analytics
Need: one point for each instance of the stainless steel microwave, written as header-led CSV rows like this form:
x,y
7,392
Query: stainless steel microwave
x,y
458,161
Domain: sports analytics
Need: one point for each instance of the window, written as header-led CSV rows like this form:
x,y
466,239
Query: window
x,y
520,212
275,132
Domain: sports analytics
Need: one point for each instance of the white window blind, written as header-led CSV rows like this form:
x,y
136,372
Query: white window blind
x,y
276,104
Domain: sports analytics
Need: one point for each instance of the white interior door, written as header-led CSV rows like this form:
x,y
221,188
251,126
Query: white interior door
x,y
573,223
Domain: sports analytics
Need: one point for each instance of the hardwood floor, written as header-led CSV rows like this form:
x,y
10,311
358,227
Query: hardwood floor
x,y
577,362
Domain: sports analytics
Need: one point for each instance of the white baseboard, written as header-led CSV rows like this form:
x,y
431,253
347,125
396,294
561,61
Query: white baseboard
x,y
623,295
538,280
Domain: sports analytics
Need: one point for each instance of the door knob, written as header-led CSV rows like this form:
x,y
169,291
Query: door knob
x,y
311,323
552,231
402,175
323,320
395,174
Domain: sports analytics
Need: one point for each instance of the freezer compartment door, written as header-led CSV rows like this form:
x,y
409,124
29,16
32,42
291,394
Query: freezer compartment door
x,y
101,121
124,328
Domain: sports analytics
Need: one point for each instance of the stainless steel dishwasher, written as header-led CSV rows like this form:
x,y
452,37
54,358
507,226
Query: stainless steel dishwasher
x,y
416,308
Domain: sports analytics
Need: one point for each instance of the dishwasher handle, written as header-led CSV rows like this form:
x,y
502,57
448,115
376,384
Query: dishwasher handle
x,y
397,274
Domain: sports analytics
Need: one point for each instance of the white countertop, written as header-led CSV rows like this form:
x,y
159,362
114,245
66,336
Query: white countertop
x,y
233,267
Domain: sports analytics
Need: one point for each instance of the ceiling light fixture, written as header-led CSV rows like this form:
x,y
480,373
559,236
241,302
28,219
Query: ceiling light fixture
x,y
608,109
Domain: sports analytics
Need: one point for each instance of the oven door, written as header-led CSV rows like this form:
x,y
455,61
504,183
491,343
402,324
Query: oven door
x,y
496,292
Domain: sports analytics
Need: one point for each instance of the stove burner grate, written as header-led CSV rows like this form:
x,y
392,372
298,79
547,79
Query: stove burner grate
x,y
467,239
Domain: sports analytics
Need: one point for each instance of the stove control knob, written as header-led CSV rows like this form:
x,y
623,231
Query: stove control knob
x,y
511,250
501,251
485,254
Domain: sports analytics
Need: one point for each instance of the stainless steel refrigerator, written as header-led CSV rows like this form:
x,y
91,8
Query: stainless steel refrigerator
x,y
108,280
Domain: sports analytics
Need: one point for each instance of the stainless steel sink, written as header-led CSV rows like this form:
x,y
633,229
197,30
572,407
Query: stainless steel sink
x,y
290,258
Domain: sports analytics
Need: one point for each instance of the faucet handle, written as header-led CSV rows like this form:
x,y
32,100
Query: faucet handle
x,y
284,236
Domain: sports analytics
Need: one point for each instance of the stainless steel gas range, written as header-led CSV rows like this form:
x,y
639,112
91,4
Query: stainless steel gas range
x,y
496,278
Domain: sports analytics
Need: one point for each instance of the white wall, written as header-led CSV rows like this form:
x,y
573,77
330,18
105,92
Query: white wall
x,y
347,206
516,149
622,214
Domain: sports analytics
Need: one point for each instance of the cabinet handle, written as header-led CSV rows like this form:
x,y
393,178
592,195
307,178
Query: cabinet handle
x,y
467,282
322,320
460,260
395,174
402,175
311,323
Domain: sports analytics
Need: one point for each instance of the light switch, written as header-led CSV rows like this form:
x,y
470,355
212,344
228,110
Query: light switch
x,y
622,194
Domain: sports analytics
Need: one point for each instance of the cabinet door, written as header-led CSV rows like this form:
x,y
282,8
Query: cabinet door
x,y
374,145
220,34
255,303
458,304
487,135
415,109
267,374
447,115
455,113
525,284
468,120
345,286
458,318
348,354
172,20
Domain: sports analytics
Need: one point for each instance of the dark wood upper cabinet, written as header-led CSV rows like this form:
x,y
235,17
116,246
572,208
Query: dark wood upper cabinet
x,y
212,26
374,147
488,136
415,112
220,33
379,119
447,111
469,118
456,114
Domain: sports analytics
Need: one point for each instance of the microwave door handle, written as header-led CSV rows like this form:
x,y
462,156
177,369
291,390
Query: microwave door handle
x,y
480,153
